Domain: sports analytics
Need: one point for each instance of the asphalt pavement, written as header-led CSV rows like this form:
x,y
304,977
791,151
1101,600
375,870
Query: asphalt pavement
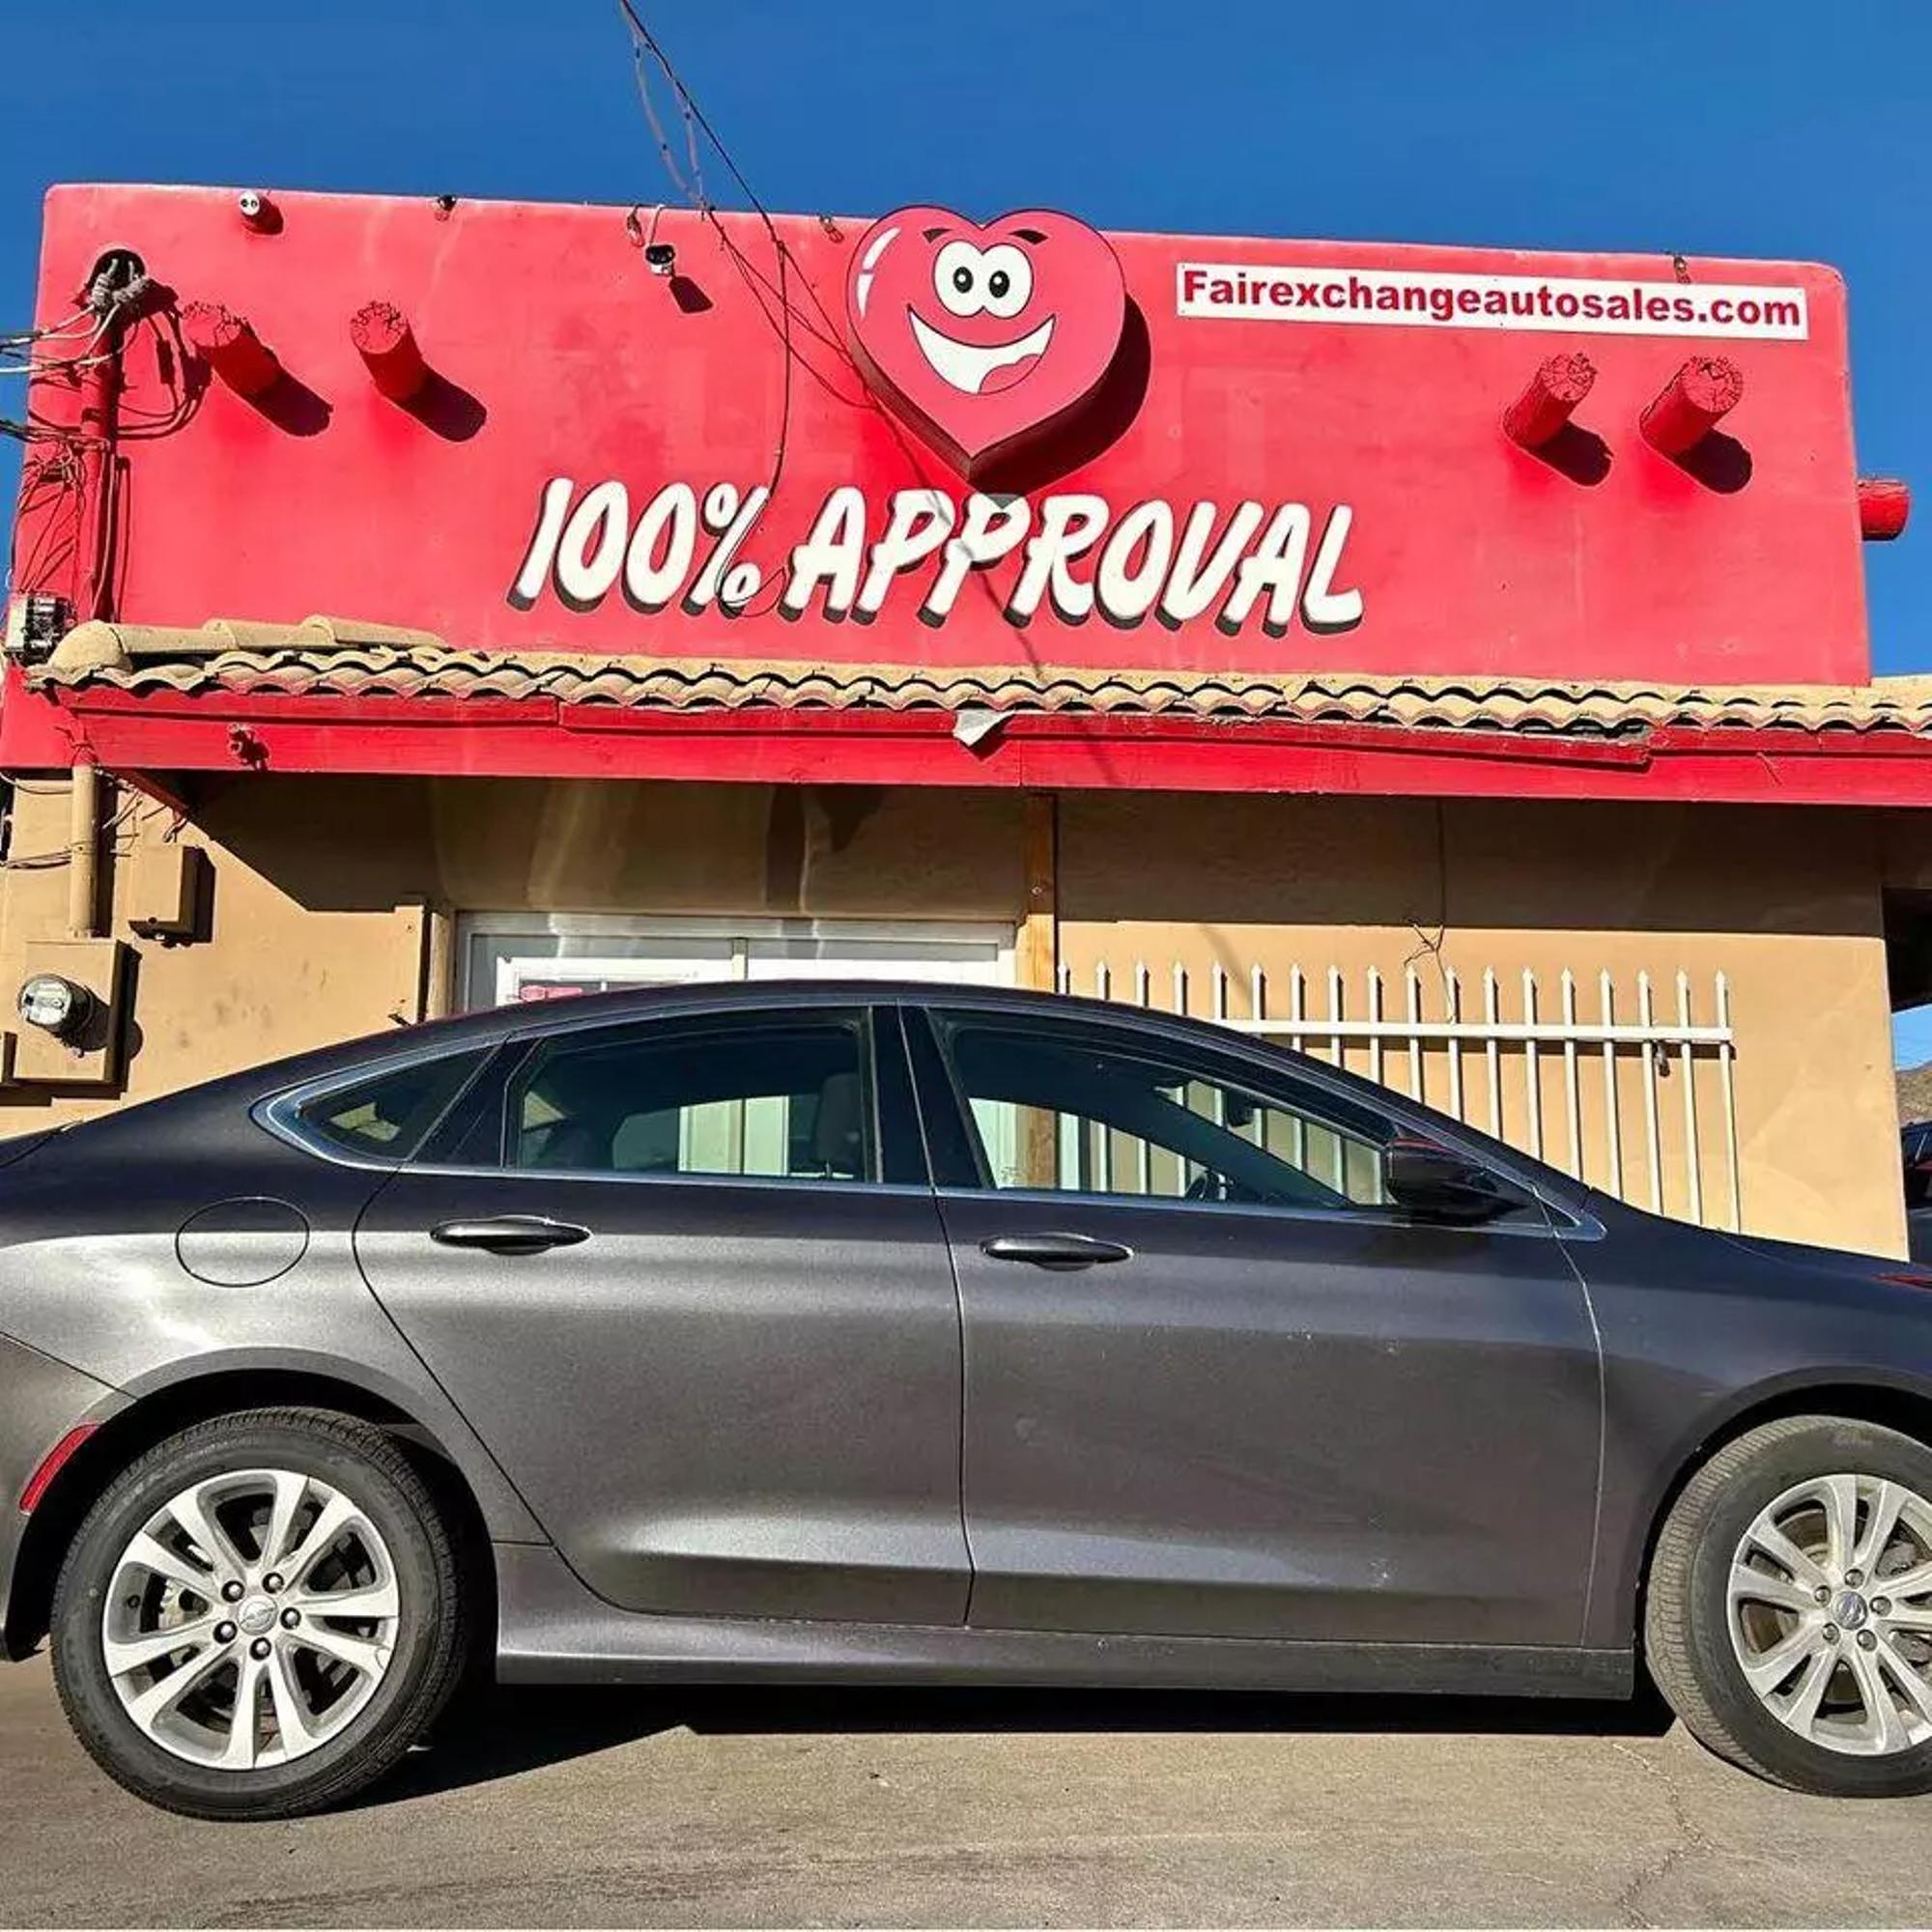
x,y
762,1808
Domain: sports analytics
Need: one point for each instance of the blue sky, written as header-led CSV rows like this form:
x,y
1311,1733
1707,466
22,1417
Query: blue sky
x,y
1779,127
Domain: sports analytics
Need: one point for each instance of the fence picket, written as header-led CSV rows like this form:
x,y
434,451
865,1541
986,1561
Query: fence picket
x,y
1694,1160
1414,1035
1647,1020
1728,1055
1612,1127
1532,1072
1571,1100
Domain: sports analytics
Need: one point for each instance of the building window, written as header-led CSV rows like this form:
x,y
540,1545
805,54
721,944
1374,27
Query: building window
x,y
510,958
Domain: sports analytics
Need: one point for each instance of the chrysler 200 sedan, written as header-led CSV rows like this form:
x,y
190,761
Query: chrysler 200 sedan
x,y
858,1333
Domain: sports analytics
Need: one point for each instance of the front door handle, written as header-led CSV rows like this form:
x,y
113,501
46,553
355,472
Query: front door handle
x,y
510,1233
1054,1251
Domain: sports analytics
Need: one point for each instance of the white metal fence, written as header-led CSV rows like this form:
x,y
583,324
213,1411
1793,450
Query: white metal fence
x,y
1633,1090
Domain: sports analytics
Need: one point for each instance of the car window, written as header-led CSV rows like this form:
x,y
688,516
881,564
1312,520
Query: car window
x,y
386,1118
1079,1110
779,1098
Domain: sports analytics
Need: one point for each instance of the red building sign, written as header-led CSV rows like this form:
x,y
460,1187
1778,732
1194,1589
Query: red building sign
x,y
1232,453
931,443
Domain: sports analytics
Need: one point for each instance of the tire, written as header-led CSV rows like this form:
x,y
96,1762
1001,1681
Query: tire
x,y
1689,1629
353,1719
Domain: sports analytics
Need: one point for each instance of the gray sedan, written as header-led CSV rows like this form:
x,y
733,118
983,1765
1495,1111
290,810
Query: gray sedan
x,y
861,1333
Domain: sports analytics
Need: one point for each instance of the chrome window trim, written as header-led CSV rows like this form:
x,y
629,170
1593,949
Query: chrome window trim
x,y
1586,1229
656,1178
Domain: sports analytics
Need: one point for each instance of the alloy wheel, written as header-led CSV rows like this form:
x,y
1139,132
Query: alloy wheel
x,y
1830,1610
250,1618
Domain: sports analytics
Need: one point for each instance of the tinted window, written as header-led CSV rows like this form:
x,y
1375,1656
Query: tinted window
x,y
1067,1107
781,1098
386,1118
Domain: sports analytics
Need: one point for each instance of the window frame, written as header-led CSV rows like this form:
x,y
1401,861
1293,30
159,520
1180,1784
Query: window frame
x,y
1211,1062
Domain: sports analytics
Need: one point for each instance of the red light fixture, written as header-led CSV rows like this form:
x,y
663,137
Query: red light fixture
x,y
1560,382
1884,502
1704,391
230,346
387,346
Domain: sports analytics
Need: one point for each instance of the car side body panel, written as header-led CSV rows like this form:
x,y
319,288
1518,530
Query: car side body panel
x,y
728,1399
552,1630
1270,1424
92,1270
1702,1330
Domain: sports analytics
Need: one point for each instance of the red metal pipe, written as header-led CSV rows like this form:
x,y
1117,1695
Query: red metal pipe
x,y
1706,388
100,393
1560,382
386,344
230,346
1884,502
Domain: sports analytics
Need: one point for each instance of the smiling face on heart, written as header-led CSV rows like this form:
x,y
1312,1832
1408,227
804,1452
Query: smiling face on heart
x,y
984,340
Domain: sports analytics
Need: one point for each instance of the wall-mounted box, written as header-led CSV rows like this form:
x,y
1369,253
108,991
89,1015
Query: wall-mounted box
x,y
163,888
92,1057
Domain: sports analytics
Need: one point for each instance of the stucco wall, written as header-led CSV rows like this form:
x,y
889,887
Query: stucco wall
x,y
319,927
1786,904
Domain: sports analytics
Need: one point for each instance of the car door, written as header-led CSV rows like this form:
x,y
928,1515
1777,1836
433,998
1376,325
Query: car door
x,y
1216,1382
685,1278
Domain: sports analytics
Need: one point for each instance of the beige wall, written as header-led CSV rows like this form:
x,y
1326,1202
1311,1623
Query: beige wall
x,y
319,930
1786,904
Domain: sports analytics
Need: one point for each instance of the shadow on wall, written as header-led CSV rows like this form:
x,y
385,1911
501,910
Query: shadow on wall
x,y
499,1733
359,845
1465,863
363,844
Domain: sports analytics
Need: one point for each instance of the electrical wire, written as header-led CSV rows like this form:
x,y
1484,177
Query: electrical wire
x,y
643,47
47,861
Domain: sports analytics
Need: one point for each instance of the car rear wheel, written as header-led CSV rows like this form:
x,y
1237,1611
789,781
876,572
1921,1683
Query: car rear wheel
x,y
1789,1618
260,1616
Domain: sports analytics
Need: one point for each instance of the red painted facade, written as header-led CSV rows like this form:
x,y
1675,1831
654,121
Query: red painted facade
x,y
1353,397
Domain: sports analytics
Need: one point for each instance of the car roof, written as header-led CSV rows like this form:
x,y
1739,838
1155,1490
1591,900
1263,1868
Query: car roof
x,y
493,1026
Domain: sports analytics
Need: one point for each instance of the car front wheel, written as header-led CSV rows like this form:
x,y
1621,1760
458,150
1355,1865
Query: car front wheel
x,y
1789,1618
260,1616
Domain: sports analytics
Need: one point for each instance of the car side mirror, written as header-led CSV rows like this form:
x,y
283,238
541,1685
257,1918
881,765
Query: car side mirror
x,y
1433,1181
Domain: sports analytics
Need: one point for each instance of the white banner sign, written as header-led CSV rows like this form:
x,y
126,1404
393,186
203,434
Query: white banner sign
x,y
1419,297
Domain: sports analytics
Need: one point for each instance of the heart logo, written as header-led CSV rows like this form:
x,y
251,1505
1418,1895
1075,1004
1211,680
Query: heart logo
x,y
985,342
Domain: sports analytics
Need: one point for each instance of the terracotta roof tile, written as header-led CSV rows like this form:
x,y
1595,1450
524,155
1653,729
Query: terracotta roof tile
x,y
334,656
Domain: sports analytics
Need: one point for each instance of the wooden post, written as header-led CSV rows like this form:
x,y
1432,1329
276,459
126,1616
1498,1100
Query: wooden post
x,y
439,999
1039,960
1038,966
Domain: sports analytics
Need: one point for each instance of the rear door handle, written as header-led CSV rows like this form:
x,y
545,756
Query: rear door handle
x,y
1054,1251
510,1233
